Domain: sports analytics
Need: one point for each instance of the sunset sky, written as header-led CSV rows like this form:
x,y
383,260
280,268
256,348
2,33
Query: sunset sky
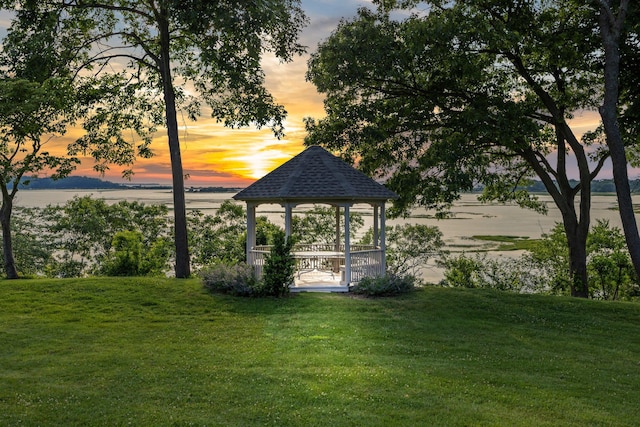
x,y
217,156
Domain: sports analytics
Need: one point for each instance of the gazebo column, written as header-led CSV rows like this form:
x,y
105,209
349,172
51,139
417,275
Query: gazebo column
x,y
288,207
251,232
376,229
347,247
337,247
383,243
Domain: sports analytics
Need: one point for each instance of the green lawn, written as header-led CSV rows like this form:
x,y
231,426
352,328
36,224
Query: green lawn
x,y
155,352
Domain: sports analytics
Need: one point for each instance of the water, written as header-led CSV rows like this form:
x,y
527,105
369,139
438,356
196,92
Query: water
x,y
470,216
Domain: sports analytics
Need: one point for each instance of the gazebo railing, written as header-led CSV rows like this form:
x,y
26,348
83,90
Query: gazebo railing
x,y
257,257
328,247
366,260
366,263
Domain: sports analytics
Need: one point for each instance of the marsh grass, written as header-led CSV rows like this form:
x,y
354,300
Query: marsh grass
x,y
508,243
165,352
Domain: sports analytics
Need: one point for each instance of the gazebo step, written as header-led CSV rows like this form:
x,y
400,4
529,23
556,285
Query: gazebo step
x,y
319,288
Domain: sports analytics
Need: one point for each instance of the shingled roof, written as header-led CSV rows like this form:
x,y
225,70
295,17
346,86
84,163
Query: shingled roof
x,y
315,175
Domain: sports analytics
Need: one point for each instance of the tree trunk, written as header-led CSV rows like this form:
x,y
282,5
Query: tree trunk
x,y
576,228
610,31
7,243
182,268
577,242
623,192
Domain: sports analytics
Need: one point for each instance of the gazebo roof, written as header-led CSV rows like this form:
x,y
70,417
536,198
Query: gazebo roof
x,y
315,175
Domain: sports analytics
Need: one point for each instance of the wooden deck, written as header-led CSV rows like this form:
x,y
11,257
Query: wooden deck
x,y
318,281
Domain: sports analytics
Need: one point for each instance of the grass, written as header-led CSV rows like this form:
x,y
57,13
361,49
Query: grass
x,y
163,352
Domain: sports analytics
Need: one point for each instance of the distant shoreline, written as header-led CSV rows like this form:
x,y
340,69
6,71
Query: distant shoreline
x,y
86,183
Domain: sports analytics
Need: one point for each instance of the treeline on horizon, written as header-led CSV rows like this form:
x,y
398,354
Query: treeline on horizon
x,y
87,183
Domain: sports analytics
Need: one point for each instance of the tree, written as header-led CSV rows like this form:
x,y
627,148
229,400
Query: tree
x,y
39,102
617,30
318,225
171,48
471,92
28,112
411,246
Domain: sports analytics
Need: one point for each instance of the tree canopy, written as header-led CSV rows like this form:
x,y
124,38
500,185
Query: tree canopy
x,y
464,93
39,102
171,56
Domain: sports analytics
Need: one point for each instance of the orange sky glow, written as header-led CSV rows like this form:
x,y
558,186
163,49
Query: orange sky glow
x,y
214,155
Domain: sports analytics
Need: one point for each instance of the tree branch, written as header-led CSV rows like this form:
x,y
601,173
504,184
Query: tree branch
x,y
79,4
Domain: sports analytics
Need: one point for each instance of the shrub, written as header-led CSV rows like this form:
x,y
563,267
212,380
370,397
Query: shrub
x,y
410,247
155,260
462,271
388,285
82,233
238,279
125,256
279,267
65,268
31,248
506,274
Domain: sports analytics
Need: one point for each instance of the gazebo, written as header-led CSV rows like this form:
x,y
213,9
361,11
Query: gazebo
x,y
315,176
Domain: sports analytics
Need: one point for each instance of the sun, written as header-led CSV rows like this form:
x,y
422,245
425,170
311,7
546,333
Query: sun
x,y
256,166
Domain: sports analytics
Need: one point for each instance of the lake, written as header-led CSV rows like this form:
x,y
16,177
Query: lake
x,y
469,218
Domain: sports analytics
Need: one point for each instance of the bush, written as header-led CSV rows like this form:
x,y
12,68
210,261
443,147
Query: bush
x,y
520,275
125,256
279,267
223,237
82,232
381,286
463,271
155,260
31,248
64,268
238,279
